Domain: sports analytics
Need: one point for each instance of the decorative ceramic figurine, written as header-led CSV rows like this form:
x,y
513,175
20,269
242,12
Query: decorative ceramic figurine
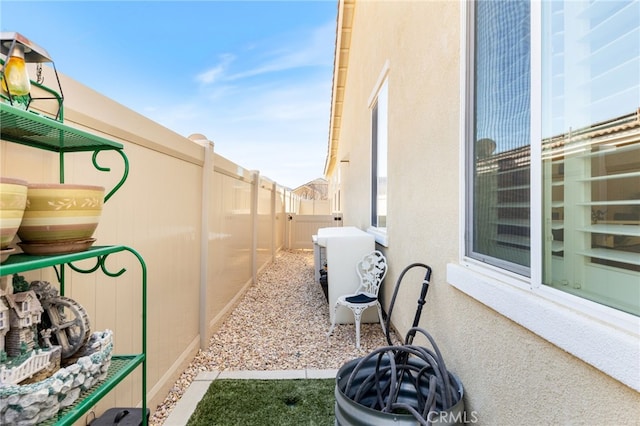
x,y
46,349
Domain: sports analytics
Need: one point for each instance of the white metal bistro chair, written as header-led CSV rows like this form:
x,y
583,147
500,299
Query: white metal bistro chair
x,y
371,270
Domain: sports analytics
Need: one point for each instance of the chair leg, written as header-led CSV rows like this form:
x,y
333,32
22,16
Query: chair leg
x,y
381,320
357,313
333,323
330,332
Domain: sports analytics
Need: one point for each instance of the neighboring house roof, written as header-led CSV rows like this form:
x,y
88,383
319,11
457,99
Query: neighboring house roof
x,y
624,128
317,189
340,65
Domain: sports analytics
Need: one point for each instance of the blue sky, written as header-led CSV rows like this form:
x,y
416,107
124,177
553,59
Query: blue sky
x,y
253,76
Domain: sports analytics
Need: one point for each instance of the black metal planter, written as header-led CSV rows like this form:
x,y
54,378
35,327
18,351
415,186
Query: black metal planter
x,y
402,385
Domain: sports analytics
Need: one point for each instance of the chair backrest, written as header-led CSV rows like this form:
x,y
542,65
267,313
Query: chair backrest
x,y
371,269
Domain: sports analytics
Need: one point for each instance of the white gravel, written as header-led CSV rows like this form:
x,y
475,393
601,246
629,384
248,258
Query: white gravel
x,y
280,324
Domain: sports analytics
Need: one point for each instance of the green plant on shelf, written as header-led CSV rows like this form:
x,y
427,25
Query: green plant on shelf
x,y
19,283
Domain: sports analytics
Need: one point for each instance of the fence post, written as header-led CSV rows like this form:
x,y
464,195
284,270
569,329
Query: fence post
x,y
207,175
254,225
287,221
273,222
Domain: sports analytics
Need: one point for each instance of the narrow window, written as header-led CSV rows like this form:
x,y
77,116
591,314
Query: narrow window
x,y
379,119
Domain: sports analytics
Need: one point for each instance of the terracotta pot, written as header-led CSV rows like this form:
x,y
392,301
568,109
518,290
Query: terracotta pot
x,y
13,198
61,213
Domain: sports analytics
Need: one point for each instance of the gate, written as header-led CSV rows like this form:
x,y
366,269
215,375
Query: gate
x,y
300,228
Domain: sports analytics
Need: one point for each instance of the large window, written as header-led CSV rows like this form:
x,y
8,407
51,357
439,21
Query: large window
x,y
570,165
379,158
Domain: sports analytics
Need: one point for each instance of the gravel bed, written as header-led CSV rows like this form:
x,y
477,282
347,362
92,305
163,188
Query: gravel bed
x,y
280,324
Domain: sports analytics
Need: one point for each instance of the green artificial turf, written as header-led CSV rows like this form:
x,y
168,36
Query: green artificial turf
x,y
295,402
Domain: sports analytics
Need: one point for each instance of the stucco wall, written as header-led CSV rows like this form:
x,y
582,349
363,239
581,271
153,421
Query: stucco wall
x,y
511,375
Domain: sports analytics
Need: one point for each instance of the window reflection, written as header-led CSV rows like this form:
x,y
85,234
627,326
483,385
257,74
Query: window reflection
x,y
591,150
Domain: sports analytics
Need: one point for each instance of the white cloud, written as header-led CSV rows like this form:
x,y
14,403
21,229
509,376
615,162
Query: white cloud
x,y
212,75
313,48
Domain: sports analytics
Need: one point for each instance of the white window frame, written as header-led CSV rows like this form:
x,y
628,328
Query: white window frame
x,y
380,234
604,337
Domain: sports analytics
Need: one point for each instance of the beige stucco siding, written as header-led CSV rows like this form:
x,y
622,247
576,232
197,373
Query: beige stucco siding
x,y
423,128
511,375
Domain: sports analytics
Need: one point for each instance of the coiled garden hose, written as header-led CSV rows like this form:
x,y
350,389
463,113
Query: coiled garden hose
x,y
404,370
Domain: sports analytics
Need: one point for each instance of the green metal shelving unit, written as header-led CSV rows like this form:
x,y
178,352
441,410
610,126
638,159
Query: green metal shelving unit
x,y
31,129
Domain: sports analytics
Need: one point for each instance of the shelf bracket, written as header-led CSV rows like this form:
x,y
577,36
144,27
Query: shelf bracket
x,y
125,173
100,263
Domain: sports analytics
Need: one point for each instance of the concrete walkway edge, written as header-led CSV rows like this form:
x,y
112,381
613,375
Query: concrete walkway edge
x,y
185,407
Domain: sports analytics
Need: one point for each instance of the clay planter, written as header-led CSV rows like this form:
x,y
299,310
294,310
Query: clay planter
x,y
13,198
60,217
